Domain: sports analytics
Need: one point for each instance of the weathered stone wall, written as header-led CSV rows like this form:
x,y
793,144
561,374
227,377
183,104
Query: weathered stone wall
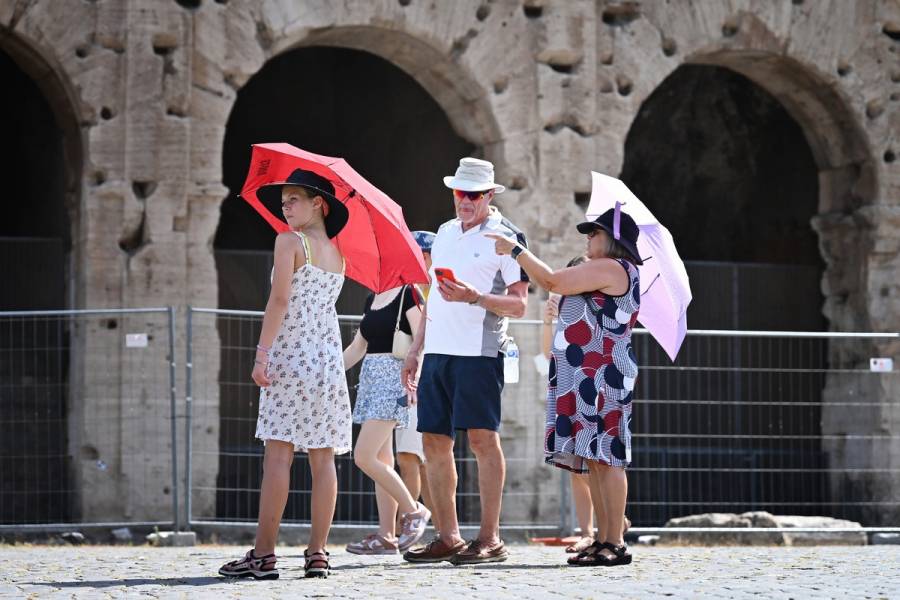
x,y
547,89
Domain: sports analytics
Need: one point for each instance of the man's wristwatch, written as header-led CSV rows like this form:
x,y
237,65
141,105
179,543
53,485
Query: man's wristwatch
x,y
516,251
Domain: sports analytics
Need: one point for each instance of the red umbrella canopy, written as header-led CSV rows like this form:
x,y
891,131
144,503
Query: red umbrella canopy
x,y
380,251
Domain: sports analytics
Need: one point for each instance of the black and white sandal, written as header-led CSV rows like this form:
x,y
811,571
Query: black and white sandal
x,y
257,567
620,556
316,564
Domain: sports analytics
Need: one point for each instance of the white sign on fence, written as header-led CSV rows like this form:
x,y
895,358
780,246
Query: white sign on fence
x,y
136,340
881,365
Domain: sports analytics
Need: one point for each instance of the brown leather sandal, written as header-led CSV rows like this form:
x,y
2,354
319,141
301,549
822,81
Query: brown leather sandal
x,y
316,564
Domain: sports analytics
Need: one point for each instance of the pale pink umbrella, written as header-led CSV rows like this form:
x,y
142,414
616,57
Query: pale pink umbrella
x,y
665,290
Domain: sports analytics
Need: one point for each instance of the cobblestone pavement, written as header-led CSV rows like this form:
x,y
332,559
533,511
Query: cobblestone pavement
x,y
532,572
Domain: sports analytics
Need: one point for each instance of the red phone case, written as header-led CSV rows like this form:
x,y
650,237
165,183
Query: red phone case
x,y
442,273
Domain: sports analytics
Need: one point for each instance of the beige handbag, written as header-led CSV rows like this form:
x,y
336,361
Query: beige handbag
x,y
402,341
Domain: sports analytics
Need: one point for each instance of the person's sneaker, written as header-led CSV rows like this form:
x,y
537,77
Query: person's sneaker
x,y
477,553
258,567
373,544
434,551
412,526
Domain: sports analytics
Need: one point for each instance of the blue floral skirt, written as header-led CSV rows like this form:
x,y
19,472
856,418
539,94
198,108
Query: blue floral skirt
x,y
381,395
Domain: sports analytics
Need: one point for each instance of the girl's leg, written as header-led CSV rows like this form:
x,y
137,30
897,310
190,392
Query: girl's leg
x,y
584,510
273,494
371,438
596,486
324,496
387,506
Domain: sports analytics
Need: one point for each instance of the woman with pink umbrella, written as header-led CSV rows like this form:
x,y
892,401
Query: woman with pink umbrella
x,y
593,369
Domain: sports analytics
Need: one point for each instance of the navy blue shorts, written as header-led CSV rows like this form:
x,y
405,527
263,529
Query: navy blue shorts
x,y
459,392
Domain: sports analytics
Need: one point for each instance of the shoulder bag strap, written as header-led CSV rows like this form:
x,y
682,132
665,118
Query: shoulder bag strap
x,y
400,312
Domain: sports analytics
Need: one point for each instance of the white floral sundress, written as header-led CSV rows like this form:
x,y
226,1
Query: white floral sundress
x,y
307,403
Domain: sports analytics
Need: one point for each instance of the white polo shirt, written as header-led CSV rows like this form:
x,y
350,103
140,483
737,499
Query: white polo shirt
x,y
458,328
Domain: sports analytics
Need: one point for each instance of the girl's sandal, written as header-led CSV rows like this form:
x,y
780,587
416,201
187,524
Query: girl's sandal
x,y
580,546
621,556
316,564
258,567
589,557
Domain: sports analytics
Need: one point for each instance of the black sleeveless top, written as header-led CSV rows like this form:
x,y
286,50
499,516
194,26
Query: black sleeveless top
x,y
377,326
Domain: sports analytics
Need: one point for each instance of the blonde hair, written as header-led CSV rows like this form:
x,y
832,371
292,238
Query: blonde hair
x,y
616,250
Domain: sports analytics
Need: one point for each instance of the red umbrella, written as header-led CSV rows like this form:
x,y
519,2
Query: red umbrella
x,y
381,252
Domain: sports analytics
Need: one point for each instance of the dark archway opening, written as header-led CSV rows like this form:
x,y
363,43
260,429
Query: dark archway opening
x,y
730,172
336,102
35,232
35,244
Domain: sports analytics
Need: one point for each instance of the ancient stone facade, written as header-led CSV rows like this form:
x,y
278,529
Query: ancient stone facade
x,y
546,89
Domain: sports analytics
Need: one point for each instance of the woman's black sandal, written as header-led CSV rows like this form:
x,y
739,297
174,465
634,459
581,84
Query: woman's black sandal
x,y
621,556
589,557
316,564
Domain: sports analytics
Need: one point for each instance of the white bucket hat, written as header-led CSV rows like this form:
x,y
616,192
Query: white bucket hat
x,y
474,175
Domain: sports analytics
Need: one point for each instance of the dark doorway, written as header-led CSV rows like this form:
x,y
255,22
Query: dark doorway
x,y
35,240
727,169
336,102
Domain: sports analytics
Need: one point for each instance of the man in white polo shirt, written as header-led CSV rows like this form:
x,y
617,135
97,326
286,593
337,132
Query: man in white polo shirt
x,y
463,337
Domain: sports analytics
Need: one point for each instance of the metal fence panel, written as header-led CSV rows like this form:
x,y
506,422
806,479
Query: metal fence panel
x,y
86,418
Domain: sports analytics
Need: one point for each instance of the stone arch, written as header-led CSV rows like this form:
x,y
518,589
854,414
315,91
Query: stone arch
x,y
39,65
41,165
847,176
451,85
835,137
60,94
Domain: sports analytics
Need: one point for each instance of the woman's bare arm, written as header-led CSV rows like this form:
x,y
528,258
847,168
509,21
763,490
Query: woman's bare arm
x,y
355,352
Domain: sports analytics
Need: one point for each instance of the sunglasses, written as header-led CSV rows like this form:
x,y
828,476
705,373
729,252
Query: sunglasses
x,y
473,196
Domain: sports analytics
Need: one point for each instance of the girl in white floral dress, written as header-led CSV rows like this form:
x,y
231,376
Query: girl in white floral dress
x,y
304,405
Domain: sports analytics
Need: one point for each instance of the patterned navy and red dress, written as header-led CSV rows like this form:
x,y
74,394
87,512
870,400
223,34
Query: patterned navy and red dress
x,y
592,374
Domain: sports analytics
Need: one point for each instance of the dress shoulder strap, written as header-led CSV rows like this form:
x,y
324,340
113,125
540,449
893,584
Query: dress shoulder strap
x,y
306,249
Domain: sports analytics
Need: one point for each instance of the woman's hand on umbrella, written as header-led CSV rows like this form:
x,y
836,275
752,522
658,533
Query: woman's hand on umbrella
x,y
457,291
502,244
259,375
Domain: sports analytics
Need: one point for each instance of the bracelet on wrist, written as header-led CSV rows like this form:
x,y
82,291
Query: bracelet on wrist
x,y
477,299
263,349
262,363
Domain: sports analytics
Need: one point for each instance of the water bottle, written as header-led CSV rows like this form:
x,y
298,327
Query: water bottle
x,y
511,363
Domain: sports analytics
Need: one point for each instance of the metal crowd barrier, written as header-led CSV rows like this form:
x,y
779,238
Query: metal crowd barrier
x,y
91,432
743,421
87,419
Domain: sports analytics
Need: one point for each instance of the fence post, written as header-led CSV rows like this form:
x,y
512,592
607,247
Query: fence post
x,y
189,412
172,402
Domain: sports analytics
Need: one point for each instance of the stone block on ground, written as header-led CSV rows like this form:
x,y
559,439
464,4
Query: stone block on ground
x,y
172,538
744,524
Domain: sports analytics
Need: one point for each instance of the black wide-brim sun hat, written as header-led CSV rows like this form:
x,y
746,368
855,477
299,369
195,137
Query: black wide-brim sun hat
x,y
270,196
628,231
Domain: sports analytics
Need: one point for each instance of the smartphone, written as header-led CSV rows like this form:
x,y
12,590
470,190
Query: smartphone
x,y
444,274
